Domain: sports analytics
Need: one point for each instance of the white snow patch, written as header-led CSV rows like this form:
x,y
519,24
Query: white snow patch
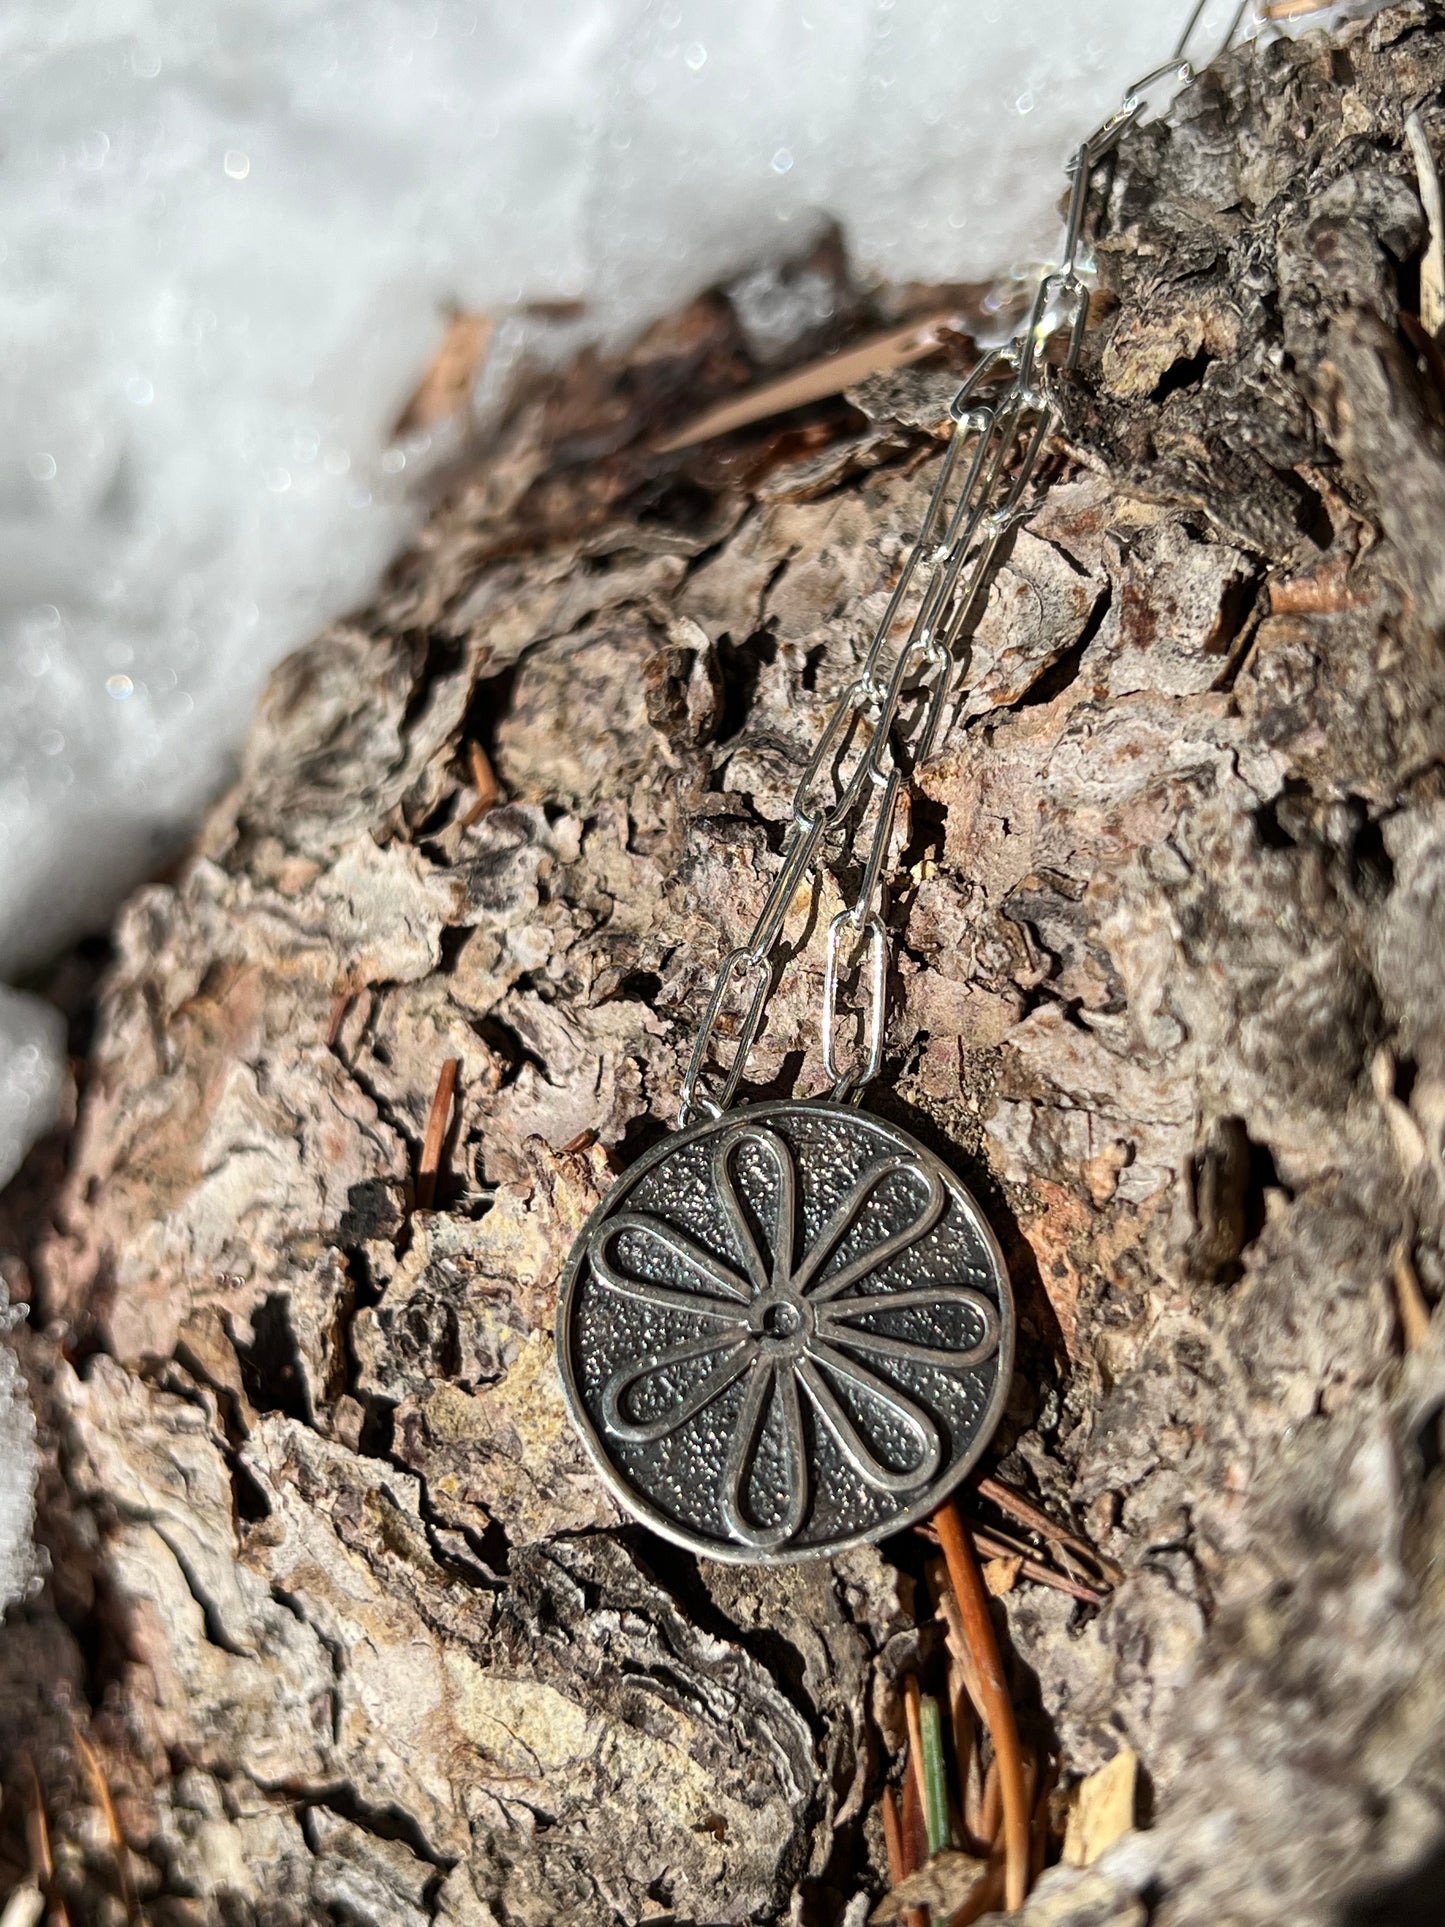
x,y
230,232
32,1075
19,1468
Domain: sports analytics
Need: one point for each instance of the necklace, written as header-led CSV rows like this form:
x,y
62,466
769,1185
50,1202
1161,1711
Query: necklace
x,y
788,1329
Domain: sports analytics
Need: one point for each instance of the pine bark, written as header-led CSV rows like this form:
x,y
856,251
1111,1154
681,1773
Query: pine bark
x,y
346,1625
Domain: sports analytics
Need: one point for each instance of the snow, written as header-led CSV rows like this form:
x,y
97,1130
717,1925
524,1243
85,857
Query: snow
x,y
231,233
19,1470
32,1076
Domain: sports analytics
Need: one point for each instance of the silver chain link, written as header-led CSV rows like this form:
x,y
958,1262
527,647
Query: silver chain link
x,y
887,724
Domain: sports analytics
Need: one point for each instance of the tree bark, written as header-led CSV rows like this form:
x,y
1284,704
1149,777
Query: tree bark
x,y
346,1625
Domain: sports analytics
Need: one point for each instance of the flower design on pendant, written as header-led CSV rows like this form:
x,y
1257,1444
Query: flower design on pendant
x,y
800,1332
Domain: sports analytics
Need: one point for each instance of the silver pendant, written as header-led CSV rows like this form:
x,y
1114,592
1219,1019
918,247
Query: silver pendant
x,y
784,1332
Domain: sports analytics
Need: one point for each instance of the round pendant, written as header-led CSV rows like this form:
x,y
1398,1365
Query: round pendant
x,y
785,1332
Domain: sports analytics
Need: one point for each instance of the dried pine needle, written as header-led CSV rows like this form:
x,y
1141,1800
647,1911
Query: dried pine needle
x,y
990,1806
935,1776
436,1134
95,1773
962,1720
974,1792
995,1705
913,1711
817,380
893,1837
37,1833
484,782
959,1651
915,1832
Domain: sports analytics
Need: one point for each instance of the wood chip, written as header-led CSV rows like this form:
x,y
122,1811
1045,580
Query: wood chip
x,y
1413,1307
24,1907
1326,591
1001,1575
1102,1809
1409,1140
445,389
945,1884
1432,267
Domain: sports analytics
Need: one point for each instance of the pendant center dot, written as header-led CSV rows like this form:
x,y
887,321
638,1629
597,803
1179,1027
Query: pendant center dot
x,y
782,1320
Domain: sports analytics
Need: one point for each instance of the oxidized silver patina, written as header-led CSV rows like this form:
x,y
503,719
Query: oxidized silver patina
x,y
784,1332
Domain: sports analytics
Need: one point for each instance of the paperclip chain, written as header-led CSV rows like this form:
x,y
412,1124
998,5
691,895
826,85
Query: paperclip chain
x,y
888,722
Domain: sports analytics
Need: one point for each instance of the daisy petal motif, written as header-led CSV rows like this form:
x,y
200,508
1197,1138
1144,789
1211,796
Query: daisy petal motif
x,y
795,1326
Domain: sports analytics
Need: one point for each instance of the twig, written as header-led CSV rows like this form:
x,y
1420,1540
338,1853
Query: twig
x,y
999,1545
995,1545
996,1707
436,1134
1028,1514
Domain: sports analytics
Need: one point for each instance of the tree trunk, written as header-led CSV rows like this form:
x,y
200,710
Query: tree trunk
x,y
345,1624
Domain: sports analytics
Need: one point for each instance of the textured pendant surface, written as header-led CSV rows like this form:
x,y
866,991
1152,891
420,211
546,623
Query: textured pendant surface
x,y
785,1332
